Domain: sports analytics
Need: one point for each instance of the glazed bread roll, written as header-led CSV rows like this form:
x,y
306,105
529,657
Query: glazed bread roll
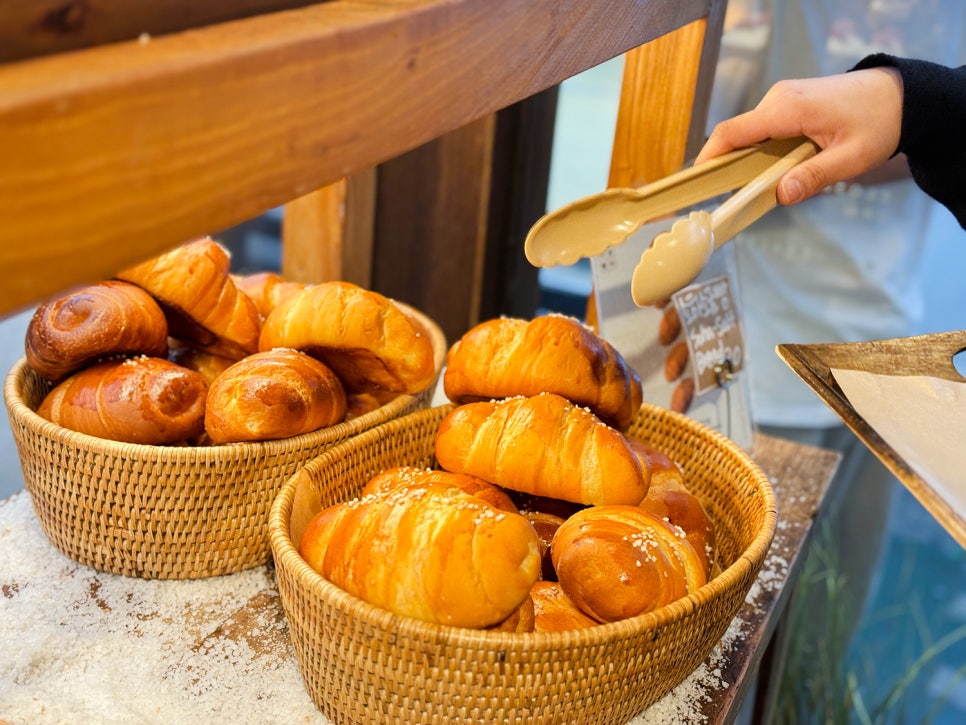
x,y
546,526
407,476
275,394
544,445
138,400
507,357
99,321
369,341
204,308
553,611
427,551
663,469
616,562
267,289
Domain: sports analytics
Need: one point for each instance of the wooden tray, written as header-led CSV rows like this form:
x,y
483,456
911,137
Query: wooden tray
x,y
930,355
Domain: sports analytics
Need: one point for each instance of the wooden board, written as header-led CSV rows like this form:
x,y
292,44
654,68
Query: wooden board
x,y
115,153
930,355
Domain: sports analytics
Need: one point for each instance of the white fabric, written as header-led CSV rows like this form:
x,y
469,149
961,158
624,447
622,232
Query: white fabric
x,y
843,266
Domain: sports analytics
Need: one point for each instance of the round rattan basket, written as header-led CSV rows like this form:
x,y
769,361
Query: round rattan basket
x,y
166,512
364,665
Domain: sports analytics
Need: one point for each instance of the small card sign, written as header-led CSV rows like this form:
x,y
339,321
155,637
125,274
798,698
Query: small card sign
x,y
709,317
689,351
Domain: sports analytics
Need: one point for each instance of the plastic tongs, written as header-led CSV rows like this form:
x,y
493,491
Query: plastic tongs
x,y
589,226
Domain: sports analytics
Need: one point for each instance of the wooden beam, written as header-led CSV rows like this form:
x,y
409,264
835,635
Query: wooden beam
x,y
113,154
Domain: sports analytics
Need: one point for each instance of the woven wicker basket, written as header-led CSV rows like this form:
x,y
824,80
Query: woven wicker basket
x,y
166,512
364,665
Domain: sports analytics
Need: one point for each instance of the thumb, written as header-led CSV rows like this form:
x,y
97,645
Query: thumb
x,y
802,182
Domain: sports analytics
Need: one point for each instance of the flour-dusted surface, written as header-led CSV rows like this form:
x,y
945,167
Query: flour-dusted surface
x,y
81,646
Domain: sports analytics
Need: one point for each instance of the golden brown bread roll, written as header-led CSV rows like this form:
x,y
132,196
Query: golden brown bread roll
x,y
368,340
553,611
507,357
616,562
138,400
208,365
544,445
270,395
427,551
204,308
408,475
98,321
668,498
267,289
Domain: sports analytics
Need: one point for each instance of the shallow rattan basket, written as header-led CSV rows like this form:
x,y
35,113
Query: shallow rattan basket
x,y
166,512
364,665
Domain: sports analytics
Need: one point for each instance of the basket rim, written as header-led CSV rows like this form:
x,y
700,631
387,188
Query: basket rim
x,y
26,416
287,556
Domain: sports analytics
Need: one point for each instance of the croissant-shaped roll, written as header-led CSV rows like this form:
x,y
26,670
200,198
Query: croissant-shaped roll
x,y
668,498
267,289
203,306
408,476
616,562
275,394
138,400
543,445
369,341
428,551
99,321
507,357
554,612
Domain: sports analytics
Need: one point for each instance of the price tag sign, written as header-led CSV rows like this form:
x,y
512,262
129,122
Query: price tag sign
x,y
712,329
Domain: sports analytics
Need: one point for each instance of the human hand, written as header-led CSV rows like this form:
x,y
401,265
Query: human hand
x,y
855,118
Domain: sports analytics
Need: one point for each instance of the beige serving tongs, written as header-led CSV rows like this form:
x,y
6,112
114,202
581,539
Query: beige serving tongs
x,y
588,226
676,257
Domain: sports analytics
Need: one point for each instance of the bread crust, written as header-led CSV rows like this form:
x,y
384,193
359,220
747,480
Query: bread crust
x,y
270,395
545,446
143,399
506,357
204,308
616,562
365,338
98,321
428,551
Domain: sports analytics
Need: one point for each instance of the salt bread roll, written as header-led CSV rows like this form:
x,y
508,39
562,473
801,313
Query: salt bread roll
x,y
553,611
136,400
95,322
408,475
428,551
507,357
365,338
270,395
544,445
616,562
204,308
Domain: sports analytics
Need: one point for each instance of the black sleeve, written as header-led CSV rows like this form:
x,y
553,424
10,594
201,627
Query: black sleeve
x,y
933,127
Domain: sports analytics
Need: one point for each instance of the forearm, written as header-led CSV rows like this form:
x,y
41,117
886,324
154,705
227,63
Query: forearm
x,y
933,135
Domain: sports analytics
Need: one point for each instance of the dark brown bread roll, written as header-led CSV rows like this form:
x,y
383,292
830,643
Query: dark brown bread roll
x,y
98,321
138,400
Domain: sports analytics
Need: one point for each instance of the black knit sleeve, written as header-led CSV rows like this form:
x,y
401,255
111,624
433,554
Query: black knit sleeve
x,y
933,135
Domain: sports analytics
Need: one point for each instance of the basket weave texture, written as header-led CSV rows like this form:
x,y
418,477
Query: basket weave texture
x,y
166,512
364,665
